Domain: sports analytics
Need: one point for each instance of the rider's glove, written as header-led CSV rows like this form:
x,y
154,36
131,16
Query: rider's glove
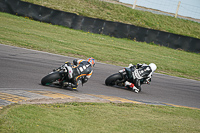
x,y
68,63
138,65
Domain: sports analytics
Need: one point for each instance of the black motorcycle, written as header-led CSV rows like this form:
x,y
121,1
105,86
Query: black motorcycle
x,y
128,74
60,76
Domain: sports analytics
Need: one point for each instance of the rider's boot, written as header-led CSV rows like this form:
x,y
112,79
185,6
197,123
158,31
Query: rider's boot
x,y
73,86
131,85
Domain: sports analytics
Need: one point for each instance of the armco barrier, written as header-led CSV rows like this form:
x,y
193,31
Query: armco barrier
x,y
99,26
87,24
122,30
77,22
109,28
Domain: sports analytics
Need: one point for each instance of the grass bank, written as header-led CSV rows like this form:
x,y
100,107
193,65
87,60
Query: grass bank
x,y
120,13
98,118
23,32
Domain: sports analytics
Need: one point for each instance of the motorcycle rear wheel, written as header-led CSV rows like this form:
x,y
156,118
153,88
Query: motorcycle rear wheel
x,y
50,78
111,80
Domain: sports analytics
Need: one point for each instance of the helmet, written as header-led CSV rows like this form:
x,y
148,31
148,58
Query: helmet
x,y
91,61
153,66
75,62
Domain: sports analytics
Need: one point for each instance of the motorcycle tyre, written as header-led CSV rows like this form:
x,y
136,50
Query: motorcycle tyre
x,y
50,78
111,79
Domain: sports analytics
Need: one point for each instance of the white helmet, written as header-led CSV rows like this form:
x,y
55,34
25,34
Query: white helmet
x,y
153,66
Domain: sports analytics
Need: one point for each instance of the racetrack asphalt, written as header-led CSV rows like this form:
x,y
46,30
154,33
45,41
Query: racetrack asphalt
x,y
22,70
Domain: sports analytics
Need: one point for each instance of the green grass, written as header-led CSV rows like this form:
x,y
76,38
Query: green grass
x,y
23,32
99,118
120,13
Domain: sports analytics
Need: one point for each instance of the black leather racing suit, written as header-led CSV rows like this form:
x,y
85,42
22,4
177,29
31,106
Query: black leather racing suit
x,y
143,72
81,73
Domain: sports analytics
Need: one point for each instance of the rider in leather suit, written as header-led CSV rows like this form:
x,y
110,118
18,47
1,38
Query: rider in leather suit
x,y
141,71
81,71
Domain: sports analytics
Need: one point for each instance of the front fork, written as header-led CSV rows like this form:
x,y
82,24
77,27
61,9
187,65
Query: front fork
x,y
63,80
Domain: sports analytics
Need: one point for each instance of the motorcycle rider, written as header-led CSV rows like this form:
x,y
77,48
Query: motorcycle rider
x,y
141,71
79,72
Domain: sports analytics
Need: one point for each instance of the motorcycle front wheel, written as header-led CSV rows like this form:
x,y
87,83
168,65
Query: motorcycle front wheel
x,y
111,80
50,78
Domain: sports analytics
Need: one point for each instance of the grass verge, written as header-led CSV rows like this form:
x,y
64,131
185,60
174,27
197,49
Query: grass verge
x,y
98,117
23,32
120,13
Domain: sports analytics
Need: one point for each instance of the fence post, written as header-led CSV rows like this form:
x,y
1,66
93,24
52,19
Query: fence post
x,y
134,4
177,9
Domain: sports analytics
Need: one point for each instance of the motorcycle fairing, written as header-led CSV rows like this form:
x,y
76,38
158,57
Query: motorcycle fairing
x,y
128,72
